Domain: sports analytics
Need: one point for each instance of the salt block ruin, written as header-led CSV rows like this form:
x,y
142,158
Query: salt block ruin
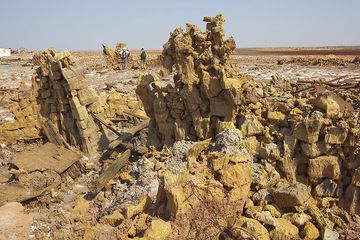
x,y
211,154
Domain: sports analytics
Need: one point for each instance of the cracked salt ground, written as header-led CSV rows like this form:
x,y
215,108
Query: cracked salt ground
x,y
124,80
296,72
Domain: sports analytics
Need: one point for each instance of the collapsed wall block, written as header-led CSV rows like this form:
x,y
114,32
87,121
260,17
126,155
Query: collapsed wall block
x,y
61,100
67,102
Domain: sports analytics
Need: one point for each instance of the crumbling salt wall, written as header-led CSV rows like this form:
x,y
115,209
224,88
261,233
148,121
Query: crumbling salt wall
x,y
207,91
68,103
60,105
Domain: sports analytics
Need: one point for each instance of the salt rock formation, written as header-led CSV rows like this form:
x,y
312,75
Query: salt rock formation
x,y
112,57
68,103
60,104
207,91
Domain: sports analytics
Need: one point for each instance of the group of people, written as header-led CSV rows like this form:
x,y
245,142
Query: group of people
x,y
124,54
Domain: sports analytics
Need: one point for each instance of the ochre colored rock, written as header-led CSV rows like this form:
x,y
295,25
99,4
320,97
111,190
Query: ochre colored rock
x,y
248,228
252,145
87,96
113,219
291,196
326,103
158,230
356,177
336,135
275,116
250,126
313,150
273,210
308,130
218,161
235,175
92,231
284,230
132,209
324,167
310,232
176,197
65,103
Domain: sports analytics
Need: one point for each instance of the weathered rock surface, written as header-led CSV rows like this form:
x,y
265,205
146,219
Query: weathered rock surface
x,y
248,228
15,224
324,167
207,92
291,196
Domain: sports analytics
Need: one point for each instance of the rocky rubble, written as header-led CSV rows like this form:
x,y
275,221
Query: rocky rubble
x,y
304,149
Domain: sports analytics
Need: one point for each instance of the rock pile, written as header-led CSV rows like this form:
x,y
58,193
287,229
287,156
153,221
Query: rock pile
x,y
214,181
304,151
207,91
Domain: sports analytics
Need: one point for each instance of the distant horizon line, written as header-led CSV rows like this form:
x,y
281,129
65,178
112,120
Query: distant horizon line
x,y
159,49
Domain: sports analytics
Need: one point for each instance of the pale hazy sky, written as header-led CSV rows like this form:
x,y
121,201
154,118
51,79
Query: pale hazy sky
x,y
86,24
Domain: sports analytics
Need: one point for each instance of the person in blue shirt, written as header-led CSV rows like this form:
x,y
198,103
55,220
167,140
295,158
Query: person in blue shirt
x,y
124,54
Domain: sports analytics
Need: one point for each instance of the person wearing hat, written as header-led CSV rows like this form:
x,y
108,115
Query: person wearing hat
x,y
124,54
143,56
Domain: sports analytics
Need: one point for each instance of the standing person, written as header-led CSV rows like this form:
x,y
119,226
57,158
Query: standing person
x,y
143,57
124,54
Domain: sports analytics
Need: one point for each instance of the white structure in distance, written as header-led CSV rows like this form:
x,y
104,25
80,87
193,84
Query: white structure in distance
x,y
5,52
